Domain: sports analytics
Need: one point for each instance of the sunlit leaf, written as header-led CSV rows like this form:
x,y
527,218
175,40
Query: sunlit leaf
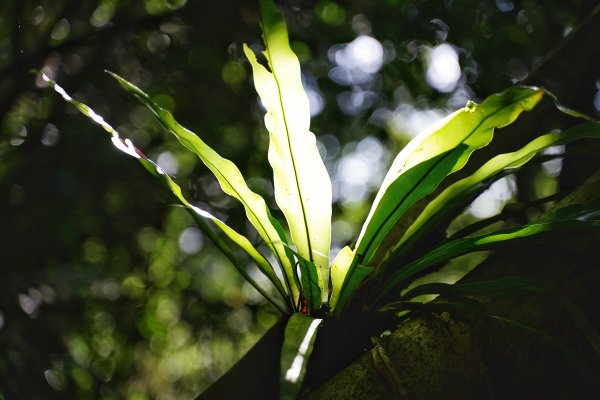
x,y
126,146
459,193
339,270
302,185
300,334
346,275
489,241
430,157
231,181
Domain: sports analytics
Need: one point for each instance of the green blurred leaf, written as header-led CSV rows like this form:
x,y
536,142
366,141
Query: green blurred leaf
x,y
232,182
430,157
302,185
459,193
298,342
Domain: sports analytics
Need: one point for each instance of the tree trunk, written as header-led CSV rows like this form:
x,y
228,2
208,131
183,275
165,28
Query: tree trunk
x,y
453,356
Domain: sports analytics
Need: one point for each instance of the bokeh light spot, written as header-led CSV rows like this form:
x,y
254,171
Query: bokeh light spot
x,y
443,69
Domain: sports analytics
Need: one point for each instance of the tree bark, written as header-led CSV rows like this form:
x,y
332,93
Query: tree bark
x,y
452,356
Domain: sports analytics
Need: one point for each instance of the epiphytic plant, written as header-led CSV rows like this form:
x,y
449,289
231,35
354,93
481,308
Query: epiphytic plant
x,y
309,285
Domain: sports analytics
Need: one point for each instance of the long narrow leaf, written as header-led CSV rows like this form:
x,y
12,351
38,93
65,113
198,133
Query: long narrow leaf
x,y
488,241
466,307
430,157
300,334
309,281
459,193
231,181
506,286
511,286
126,146
302,185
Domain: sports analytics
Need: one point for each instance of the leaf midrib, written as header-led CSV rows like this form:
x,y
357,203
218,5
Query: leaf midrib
x,y
289,143
433,166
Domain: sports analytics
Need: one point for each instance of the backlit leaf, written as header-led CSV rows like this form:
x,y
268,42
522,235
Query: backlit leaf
x,y
339,270
346,275
126,146
302,185
456,196
430,157
231,181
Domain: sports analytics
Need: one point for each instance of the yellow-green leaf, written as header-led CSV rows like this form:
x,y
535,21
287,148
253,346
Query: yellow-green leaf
x,y
339,269
232,182
126,146
430,157
298,342
302,185
346,275
456,195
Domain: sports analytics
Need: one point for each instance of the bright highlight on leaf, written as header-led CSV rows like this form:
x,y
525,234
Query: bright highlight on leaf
x,y
300,334
459,193
431,156
232,183
303,193
126,146
302,185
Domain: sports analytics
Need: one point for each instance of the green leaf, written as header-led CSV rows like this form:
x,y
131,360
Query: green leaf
x,y
310,280
510,286
300,334
451,272
507,286
231,181
465,307
126,146
455,196
430,157
339,270
302,185
487,241
346,275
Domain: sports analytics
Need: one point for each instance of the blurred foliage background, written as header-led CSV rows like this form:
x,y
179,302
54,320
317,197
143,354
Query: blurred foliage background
x,y
107,289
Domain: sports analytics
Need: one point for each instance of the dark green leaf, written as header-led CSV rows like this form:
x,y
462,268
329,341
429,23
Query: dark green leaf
x,y
487,241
